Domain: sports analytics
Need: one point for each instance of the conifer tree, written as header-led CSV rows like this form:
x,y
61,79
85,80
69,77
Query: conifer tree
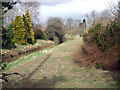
x,y
29,28
19,31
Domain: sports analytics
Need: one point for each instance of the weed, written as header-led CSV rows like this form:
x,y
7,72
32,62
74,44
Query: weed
x,y
84,50
84,36
97,65
105,76
22,60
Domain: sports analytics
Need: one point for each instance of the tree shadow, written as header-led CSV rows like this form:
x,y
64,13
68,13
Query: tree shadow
x,y
45,82
32,73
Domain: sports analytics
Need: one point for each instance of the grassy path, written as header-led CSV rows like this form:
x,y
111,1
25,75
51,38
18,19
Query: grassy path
x,y
56,69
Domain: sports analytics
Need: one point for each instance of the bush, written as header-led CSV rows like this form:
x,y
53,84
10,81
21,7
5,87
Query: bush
x,y
54,30
4,36
102,35
10,32
7,39
97,65
38,33
96,28
84,35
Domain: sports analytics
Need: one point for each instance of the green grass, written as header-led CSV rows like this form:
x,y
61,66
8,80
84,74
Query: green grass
x,y
59,45
42,44
105,76
23,60
70,37
19,47
73,70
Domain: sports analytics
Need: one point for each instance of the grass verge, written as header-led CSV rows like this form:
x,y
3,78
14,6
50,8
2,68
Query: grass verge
x,y
23,60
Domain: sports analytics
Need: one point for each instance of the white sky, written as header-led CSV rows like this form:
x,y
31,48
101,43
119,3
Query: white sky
x,y
73,9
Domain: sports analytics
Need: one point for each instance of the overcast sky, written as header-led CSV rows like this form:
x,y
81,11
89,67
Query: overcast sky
x,y
72,8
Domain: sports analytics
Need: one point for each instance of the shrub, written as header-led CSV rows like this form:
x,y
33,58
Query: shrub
x,y
84,35
7,39
54,30
10,32
38,33
102,35
84,50
4,36
97,65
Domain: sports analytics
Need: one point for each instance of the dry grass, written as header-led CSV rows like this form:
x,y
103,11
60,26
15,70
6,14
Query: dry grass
x,y
107,60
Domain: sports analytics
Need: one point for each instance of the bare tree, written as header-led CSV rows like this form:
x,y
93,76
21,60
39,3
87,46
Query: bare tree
x,y
11,14
54,30
114,9
20,9
89,20
34,10
105,17
92,18
69,22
